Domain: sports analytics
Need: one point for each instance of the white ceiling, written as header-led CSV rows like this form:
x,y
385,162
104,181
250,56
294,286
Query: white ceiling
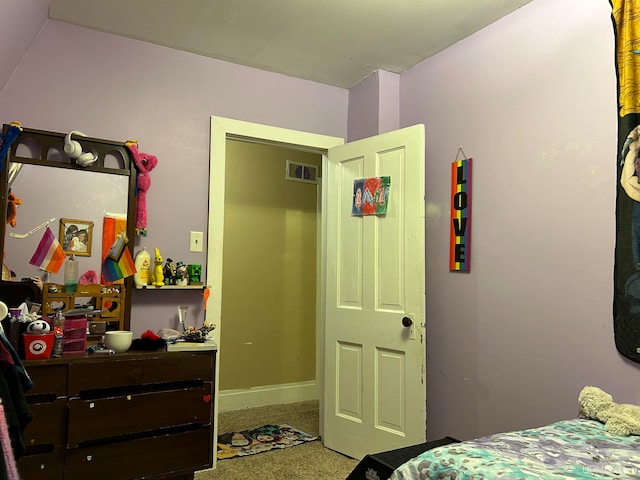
x,y
335,42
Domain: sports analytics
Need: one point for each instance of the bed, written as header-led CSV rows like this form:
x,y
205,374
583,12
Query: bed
x,y
576,448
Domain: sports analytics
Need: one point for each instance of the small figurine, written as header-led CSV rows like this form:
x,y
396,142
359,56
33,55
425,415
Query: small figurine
x,y
182,278
194,271
169,272
158,277
12,208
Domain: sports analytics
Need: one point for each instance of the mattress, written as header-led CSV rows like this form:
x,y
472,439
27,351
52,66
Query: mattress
x,y
576,448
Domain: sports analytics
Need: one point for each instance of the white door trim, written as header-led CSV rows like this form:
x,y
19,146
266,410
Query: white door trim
x,y
221,130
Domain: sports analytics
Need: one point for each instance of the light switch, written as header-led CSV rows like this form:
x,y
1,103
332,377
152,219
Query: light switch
x,y
195,241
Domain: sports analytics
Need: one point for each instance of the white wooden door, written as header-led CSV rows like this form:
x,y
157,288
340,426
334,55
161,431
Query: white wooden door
x,y
374,388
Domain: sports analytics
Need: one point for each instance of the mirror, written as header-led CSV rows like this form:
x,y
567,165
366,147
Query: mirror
x,y
59,194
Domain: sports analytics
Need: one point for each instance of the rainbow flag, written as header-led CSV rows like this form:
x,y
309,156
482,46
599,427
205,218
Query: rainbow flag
x,y
117,267
49,255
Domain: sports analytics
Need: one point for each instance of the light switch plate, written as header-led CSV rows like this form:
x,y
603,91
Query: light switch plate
x,y
195,241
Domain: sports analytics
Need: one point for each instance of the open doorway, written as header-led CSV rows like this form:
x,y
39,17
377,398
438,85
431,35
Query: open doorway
x,y
223,129
269,276
345,334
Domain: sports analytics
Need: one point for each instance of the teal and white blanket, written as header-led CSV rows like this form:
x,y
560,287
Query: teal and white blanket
x,y
575,448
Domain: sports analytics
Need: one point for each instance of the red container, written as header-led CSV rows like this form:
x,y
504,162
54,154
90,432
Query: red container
x,y
37,347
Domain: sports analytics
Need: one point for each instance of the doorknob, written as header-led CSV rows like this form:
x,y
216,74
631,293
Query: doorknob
x,y
406,322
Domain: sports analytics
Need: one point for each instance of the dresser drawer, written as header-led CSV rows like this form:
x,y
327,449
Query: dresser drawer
x,y
110,418
43,466
161,455
48,380
88,378
49,424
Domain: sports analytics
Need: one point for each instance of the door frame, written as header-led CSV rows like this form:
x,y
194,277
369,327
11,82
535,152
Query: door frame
x,y
223,129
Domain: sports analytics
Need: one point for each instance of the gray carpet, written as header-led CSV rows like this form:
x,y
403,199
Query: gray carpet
x,y
310,461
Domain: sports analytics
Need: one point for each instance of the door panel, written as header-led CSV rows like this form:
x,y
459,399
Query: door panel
x,y
350,256
375,398
390,369
349,373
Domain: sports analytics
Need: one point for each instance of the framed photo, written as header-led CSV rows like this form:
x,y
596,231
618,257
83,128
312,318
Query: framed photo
x,y
75,236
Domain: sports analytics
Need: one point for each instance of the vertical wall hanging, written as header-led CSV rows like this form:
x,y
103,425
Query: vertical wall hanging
x,y
460,222
626,273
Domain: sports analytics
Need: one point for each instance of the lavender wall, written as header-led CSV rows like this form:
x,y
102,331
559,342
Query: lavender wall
x,y
116,88
20,23
364,118
532,98
373,105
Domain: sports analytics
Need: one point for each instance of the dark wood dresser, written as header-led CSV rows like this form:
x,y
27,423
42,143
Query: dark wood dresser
x,y
126,416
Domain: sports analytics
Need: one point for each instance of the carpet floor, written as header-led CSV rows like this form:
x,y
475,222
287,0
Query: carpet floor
x,y
310,461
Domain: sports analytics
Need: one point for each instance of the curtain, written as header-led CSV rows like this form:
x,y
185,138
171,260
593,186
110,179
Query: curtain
x,y
626,303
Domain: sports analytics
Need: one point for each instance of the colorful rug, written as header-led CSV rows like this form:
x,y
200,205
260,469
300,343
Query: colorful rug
x,y
261,439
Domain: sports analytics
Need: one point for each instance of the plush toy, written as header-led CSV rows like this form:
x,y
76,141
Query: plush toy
x,y
618,418
148,341
38,327
89,277
12,208
5,142
144,163
158,276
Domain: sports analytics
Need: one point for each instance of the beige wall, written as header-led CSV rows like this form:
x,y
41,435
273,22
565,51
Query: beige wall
x,y
269,269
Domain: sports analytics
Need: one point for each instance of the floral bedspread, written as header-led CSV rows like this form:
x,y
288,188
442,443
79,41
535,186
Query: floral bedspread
x,y
577,448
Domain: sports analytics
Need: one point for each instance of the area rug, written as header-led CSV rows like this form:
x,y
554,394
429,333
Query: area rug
x,y
261,439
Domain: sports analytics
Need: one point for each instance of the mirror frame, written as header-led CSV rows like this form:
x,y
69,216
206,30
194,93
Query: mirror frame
x,y
54,141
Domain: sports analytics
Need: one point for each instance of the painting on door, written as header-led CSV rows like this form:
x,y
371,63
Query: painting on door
x,y
370,196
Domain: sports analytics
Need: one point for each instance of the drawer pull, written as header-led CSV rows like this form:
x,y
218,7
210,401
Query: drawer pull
x,y
89,458
128,397
91,405
42,466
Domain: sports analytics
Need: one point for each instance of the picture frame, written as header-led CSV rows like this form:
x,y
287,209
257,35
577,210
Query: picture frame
x,y
76,236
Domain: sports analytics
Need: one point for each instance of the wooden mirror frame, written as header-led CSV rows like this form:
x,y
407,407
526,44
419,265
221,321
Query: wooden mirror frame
x,y
55,141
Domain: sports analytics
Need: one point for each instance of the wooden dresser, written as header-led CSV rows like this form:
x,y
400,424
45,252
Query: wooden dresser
x,y
126,416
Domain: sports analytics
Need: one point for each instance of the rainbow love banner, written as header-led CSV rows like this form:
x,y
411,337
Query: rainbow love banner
x,y
460,223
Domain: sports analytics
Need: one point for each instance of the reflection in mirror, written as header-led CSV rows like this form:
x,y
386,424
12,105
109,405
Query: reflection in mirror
x,y
53,187
48,193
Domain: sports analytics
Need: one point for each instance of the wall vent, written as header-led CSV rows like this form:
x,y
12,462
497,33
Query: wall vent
x,y
301,172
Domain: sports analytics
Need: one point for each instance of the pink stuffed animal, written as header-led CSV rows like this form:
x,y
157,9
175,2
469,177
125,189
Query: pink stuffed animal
x,y
144,163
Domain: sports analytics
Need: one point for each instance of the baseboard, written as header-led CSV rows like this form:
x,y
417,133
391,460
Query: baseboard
x,y
239,399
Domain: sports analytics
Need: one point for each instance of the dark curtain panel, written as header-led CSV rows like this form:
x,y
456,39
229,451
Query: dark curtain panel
x,y
626,304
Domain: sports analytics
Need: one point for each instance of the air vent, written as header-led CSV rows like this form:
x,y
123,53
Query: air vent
x,y
302,172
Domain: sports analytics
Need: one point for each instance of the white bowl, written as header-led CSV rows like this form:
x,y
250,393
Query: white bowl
x,y
118,340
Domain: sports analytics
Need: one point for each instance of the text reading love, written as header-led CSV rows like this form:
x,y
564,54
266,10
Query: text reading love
x,y
460,227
